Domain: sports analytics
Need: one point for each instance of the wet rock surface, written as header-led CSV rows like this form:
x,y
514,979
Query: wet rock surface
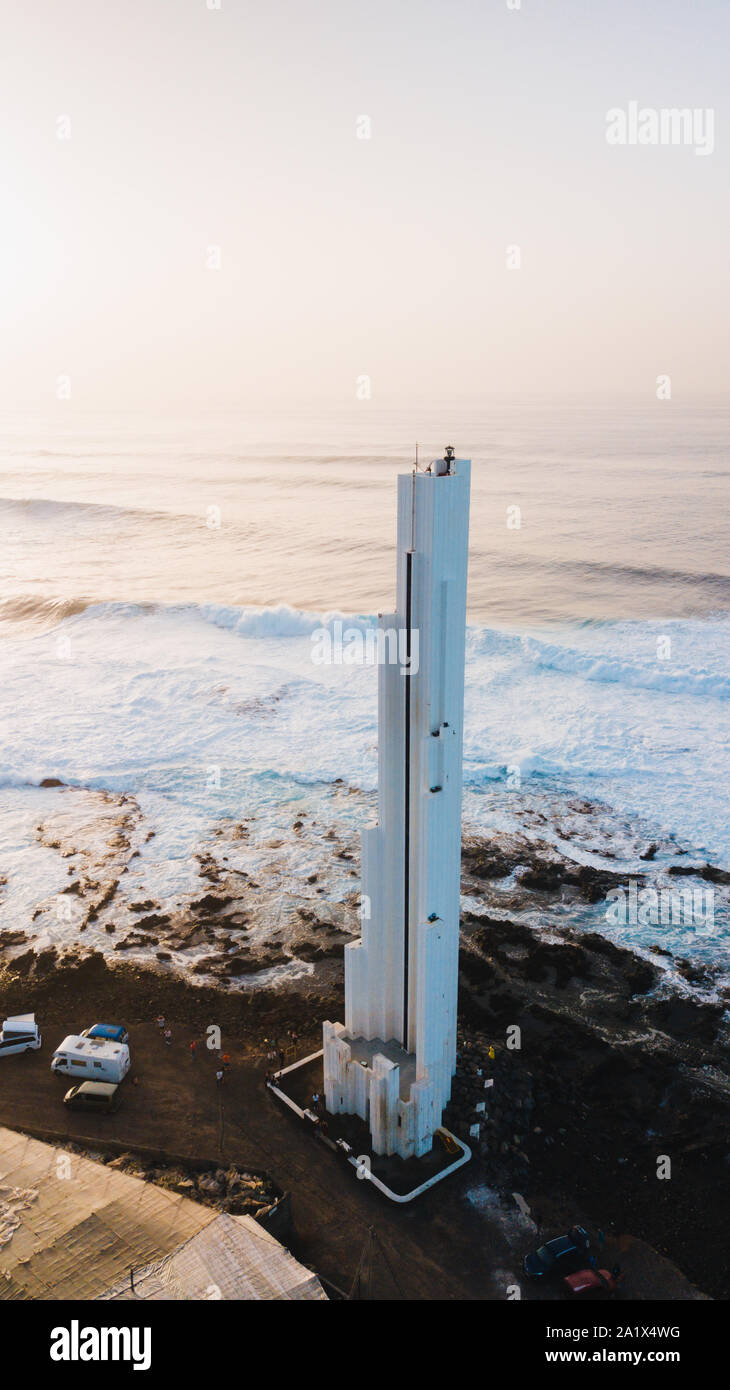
x,y
237,924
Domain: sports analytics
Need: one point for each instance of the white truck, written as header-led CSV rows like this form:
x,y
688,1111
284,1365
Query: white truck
x,y
91,1059
19,1034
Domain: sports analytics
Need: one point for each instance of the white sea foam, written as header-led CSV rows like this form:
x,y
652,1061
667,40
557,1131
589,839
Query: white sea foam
x,y
149,642
279,621
152,698
652,673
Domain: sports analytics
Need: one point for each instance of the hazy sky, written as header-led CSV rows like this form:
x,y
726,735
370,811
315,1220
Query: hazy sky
x,y
341,257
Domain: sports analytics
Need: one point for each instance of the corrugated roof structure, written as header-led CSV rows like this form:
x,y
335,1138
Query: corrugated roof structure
x,y
233,1257
73,1228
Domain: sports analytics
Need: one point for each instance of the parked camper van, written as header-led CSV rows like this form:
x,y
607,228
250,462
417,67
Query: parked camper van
x,y
19,1034
91,1059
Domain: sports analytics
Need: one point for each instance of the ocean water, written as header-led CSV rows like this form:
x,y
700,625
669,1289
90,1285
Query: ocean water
x,y
161,582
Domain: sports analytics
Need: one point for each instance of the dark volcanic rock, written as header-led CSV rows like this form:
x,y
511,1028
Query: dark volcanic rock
x,y
487,863
709,872
211,902
544,876
12,938
549,875
715,875
477,970
692,1018
594,884
155,921
239,965
565,959
306,950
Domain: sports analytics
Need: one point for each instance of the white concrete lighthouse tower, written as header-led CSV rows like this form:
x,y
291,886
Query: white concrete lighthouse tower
x,y
392,1061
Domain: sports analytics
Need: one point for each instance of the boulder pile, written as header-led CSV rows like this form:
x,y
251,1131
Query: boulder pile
x,y
229,1189
492,1090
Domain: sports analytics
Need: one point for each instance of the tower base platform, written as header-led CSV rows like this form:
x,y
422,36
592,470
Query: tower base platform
x,y
400,1180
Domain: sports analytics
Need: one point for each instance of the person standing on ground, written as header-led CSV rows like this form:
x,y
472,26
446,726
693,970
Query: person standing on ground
x,y
168,1036
161,1022
226,1061
193,1050
219,1078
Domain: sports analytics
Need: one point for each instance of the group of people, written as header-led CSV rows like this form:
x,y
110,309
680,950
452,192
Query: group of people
x,y
164,1030
274,1049
224,1058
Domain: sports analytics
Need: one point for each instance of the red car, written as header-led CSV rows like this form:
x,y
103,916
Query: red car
x,y
589,1281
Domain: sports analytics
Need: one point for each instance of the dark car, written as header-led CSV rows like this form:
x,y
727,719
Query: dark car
x,y
559,1256
101,1097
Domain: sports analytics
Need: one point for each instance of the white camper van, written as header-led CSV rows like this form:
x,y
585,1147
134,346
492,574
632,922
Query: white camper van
x,y
20,1034
92,1059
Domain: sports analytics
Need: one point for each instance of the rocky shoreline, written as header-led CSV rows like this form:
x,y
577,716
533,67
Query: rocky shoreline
x,y
620,1065
251,908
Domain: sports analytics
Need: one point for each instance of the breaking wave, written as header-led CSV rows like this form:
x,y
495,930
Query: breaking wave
x,y
604,661
636,676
